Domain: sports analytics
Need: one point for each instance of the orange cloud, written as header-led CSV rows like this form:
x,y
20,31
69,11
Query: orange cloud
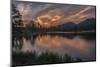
x,y
48,20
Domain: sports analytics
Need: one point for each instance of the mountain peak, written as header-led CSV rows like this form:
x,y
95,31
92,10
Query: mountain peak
x,y
88,21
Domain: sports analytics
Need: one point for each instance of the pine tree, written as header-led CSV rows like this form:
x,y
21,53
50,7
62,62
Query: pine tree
x,y
16,16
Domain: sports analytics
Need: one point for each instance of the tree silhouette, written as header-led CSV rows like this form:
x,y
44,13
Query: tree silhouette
x,y
16,21
16,16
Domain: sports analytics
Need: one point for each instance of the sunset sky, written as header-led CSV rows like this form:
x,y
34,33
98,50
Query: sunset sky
x,y
49,14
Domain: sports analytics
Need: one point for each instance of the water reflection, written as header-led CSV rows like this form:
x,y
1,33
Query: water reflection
x,y
76,46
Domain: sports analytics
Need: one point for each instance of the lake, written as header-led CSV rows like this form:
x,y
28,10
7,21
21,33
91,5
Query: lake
x,y
77,46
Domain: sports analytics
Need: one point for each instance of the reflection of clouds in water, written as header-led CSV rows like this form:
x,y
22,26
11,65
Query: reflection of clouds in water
x,y
76,47
27,46
48,41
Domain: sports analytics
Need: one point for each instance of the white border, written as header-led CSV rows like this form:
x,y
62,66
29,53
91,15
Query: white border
x,y
5,32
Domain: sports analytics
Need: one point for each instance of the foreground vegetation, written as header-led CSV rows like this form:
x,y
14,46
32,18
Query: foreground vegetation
x,y
45,58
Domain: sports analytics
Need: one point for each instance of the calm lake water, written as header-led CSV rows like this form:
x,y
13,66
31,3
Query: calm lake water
x,y
77,46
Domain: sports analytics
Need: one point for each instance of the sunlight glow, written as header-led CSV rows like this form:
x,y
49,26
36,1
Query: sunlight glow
x,y
47,20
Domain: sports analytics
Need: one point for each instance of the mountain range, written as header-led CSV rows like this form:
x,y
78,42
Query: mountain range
x,y
88,24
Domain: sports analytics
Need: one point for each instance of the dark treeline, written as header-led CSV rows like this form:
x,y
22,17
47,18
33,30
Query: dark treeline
x,y
30,58
87,25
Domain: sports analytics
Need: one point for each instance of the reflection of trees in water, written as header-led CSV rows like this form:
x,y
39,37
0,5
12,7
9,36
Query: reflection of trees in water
x,y
17,38
45,58
29,58
88,36
17,42
70,36
91,36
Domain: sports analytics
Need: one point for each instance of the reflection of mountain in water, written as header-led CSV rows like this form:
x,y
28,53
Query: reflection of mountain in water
x,y
38,49
76,46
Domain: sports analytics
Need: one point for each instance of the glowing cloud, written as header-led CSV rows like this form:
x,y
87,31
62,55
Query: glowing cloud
x,y
48,20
